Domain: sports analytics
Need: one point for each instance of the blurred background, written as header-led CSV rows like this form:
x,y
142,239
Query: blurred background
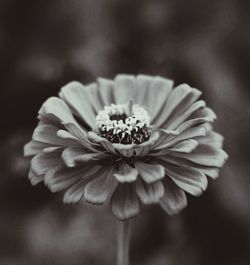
x,y
45,44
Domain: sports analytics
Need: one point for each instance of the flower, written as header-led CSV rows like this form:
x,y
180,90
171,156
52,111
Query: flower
x,y
133,141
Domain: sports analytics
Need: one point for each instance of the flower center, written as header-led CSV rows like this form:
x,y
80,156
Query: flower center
x,y
124,123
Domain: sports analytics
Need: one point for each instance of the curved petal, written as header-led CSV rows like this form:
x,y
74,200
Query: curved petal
x,y
34,178
149,193
186,146
55,111
126,150
80,134
43,162
48,134
206,155
124,202
105,88
174,99
184,109
186,135
149,172
126,173
32,148
212,172
159,91
75,192
72,155
60,177
211,138
175,121
99,189
124,88
143,84
188,179
94,95
77,97
174,199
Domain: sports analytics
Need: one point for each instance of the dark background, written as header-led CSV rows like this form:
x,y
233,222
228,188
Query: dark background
x,y
45,44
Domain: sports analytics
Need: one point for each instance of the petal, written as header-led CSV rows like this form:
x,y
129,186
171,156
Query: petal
x,y
212,172
149,87
143,83
149,193
173,100
48,134
124,88
186,146
211,138
55,111
43,162
188,179
72,155
126,173
94,95
81,135
175,121
188,134
207,155
150,172
34,178
184,109
144,148
99,189
126,150
60,177
77,97
75,193
32,148
159,91
106,87
124,202
206,113
174,199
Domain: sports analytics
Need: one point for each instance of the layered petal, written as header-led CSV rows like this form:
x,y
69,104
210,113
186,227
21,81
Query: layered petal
x,y
149,87
75,155
99,189
126,173
43,162
124,202
188,179
150,172
124,88
206,155
174,99
149,193
33,147
174,199
79,100
75,192
60,177
56,112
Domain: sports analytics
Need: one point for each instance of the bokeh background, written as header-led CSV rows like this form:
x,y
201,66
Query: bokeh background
x,y
45,44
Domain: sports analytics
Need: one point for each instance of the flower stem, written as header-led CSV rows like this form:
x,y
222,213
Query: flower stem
x,y
123,238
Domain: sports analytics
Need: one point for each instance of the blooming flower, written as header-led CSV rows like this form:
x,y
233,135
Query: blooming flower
x,y
134,140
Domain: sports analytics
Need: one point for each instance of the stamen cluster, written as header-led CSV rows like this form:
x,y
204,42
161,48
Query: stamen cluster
x,y
123,123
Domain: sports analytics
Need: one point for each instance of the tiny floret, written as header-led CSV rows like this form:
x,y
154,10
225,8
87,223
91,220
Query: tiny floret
x,y
124,123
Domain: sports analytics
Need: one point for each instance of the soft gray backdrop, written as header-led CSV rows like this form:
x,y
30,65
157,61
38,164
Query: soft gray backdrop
x,y
44,44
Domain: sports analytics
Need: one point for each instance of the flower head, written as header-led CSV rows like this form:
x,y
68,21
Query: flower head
x,y
133,141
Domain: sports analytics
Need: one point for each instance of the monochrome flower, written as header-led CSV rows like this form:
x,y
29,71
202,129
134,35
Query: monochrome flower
x,y
133,141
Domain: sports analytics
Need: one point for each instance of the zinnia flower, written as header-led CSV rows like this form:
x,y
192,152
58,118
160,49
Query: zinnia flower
x,y
133,141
